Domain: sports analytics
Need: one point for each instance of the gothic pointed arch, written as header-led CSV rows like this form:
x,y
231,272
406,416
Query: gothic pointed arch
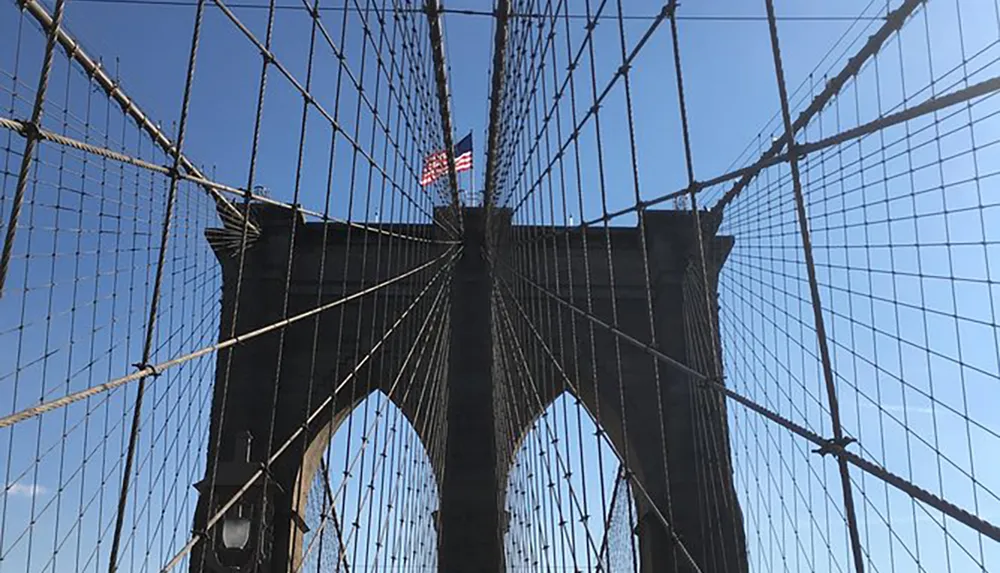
x,y
365,469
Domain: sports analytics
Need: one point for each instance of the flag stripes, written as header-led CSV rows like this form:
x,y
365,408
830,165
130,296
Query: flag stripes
x,y
436,164
463,162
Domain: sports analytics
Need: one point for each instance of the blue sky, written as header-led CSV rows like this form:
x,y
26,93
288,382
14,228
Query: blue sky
x,y
912,322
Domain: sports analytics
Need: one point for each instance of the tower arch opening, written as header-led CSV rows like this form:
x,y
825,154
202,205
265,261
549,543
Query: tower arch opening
x,y
369,493
567,499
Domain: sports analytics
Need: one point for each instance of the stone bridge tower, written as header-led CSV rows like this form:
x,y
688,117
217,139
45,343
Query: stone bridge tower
x,y
705,512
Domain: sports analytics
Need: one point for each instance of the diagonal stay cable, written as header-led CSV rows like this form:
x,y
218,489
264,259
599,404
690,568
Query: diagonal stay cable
x,y
431,408
517,422
606,325
880,370
607,439
893,23
825,445
114,90
154,369
22,128
530,89
365,439
754,356
523,363
30,143
575,389
708,316
427,409
327,116
436,312
433,9
338,52
294,436
599,99
933,104
635,479
560,92
496,94
154,301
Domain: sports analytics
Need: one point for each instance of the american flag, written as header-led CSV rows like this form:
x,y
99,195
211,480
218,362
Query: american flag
x,y
463,154
436,164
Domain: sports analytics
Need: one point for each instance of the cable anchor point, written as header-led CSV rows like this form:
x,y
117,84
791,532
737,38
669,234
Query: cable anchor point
x,y
153,371
834,445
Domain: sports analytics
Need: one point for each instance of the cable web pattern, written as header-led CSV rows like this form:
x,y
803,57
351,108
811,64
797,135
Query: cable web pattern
x,y
237,333
126,338
821,308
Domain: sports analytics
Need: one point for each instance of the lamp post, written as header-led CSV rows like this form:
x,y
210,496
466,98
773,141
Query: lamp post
x,y
237,540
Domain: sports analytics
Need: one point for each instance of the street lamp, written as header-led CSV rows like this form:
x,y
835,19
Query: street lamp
x,y
235,545
235,533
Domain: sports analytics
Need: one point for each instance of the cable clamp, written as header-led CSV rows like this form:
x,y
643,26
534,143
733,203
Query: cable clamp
x,y
152,369
269,478
710,382
30,130
833,445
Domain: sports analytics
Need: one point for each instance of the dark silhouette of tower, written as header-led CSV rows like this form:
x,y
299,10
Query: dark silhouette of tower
x,y
704,511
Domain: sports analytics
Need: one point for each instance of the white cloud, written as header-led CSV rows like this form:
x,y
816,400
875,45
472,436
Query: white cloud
x,y
26,489
899,409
